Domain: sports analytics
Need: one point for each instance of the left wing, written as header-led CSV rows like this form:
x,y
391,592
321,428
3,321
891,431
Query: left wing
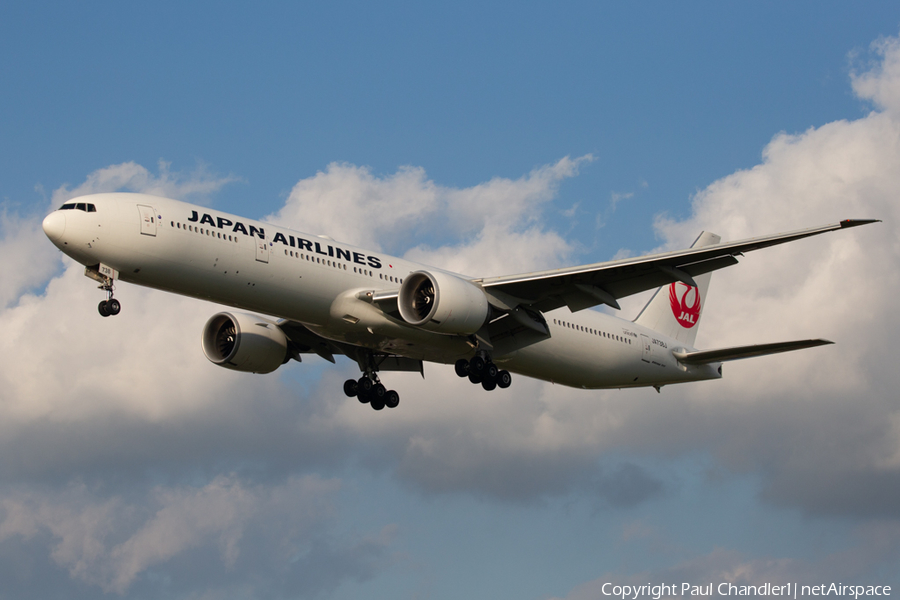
x,y
603,283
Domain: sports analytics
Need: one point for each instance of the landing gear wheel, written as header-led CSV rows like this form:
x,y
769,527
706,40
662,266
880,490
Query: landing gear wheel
x,y
391,399
504,379
103,309
490,372
378,391
489,384
462,367
476,365
474,378
113,306
350,387
364,385
377,403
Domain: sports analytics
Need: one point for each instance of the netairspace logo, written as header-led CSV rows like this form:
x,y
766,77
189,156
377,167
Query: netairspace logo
x,y
670,590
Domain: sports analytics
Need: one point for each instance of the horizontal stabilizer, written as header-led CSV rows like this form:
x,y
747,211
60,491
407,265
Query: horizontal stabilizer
x,y
724,354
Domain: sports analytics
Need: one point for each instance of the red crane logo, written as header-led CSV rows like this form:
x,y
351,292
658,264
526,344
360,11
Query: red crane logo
x,y
686,314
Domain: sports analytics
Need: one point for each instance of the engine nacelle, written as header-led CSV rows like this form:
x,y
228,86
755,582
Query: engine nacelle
x,y
443,303
244,343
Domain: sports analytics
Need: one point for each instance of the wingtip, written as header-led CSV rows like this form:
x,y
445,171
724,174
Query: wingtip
x,y
857,222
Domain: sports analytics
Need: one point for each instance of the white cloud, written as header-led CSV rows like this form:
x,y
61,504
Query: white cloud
x,y
132,177
498,219
881,82
29,261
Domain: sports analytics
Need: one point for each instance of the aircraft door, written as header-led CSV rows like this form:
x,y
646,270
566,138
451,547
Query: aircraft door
x,y
646,348
148,220
262,250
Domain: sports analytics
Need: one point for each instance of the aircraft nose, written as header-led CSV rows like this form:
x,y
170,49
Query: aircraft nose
x,y
55,225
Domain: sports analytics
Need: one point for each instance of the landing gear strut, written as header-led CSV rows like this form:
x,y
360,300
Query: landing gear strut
x,y
369,390
481,369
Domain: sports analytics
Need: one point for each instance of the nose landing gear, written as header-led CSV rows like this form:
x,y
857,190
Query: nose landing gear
x,y
106,277
109,307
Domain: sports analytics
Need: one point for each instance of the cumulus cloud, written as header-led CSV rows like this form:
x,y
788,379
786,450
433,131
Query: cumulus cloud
x,y
193,186
229,529
22,237
498,221
880,81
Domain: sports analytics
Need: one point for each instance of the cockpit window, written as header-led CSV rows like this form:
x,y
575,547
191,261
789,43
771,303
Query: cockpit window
x,y
79,206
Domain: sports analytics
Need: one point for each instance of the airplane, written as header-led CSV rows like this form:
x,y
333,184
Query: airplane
x,y
329,298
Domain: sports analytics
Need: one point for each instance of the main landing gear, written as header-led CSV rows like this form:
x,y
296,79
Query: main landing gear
x,y
481,369
369,390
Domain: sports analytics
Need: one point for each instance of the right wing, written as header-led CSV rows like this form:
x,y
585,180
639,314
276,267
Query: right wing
x,y
603,283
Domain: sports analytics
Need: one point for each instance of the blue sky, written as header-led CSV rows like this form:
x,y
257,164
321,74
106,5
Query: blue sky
x,y
490,139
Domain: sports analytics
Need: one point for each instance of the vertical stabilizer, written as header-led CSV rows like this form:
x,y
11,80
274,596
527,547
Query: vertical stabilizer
x,y
675,309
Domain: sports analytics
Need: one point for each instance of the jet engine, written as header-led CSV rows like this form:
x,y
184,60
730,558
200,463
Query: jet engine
x,y
244,343
443,303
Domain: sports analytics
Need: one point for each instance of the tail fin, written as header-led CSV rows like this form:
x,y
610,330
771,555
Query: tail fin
x,y
675,309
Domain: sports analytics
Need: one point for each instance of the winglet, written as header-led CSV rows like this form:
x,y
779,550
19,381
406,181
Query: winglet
x,y
857,222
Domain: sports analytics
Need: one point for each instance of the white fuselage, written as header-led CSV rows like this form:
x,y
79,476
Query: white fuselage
x,y
261,267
